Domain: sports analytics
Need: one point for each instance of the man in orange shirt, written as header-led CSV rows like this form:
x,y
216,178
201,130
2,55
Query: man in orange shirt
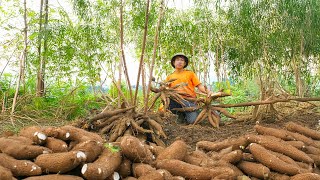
x,y
180,62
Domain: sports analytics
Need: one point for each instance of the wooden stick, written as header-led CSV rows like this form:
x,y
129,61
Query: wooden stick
x,y
267,102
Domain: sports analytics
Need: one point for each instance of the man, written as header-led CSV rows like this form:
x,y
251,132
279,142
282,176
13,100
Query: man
x,y
180,62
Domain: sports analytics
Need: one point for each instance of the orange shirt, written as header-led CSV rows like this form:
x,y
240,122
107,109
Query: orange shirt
x,y
185,76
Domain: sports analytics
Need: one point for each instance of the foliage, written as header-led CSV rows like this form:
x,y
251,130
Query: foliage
x,y
241,92
61,102
276,41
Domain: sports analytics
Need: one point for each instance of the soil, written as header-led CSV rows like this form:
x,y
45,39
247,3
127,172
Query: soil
x,y
306,114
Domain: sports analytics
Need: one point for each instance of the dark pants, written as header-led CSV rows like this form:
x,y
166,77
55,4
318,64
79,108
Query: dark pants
x,y
188,116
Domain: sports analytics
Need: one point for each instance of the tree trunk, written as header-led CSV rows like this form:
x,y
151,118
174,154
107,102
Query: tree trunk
x,y
3,106
301,83
156,36
39,72
119,83
142,51
122,52
25,45
22,62
143,77
297,75
45,48
217,62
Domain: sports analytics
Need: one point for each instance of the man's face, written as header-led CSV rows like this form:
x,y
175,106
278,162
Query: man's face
x,y
179,63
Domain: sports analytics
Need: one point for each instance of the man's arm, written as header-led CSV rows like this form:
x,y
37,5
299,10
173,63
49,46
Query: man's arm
x,y
203,89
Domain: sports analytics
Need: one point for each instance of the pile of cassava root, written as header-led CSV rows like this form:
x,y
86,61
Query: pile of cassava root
x,y
114,124
67,152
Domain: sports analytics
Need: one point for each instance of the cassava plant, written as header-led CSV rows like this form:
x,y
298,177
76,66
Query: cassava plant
x,y
207,109
125,121
165,93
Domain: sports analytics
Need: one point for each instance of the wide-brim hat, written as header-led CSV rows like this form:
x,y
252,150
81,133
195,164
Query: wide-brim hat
x,y
180,55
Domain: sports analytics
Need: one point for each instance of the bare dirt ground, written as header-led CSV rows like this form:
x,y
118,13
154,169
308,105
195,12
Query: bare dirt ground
x,y
305,114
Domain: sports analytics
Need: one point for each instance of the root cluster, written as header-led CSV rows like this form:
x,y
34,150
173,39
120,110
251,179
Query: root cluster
x,y
114,124
208,111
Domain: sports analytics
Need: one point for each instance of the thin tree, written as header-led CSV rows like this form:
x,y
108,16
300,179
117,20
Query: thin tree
x,y
143,50
45,48
39,75
122,51
119,83
23,58
156,36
